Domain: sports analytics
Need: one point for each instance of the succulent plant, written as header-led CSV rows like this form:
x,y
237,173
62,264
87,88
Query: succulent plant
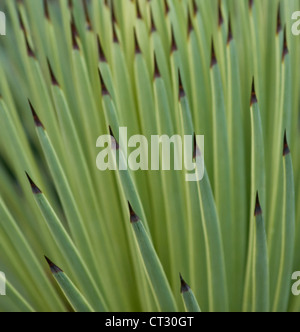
x,y
72,71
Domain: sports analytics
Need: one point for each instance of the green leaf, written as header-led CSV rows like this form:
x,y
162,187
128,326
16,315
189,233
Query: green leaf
x,y
260,265
69,249
188,296
287,231
75,298
154,269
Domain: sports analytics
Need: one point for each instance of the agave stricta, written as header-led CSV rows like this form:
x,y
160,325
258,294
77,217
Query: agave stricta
x,y
232,257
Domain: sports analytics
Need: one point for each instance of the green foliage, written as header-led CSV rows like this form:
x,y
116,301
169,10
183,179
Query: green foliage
x,y
89,67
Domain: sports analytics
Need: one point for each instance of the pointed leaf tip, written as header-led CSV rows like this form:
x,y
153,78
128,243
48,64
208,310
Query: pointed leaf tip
x,y
153,26
190,24
253,94
184,286
36,119
133,216
115,36
53,78
21,23
251,2
111,132
285,50
286,149
279,25
136,44
258,210
220,15
230,37
196,150
46,10
115,144
54,269
174,47
213,55
34,187
101,54
181,88
30,51
156,68
104,89
75,35
167,8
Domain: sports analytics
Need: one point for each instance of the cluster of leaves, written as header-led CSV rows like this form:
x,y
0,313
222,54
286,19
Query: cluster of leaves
x,y
89,67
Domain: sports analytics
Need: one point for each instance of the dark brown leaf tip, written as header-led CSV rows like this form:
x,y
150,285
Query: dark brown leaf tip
x,y
54,268
220,15
53,78
104,89
190,24
70,5
46,10
115,36
251,3
213,55
285,50
153,26
21,22
184,286
286,149
174,47
229,37
196,150
253,99
34,187
194,147
181,93
258,210
115,144
30,51
101,54
36,119
75,35
279,25
136,44
156,68
167,8
133,216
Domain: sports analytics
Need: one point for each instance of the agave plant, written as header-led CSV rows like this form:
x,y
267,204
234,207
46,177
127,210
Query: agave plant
x,y
74,70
